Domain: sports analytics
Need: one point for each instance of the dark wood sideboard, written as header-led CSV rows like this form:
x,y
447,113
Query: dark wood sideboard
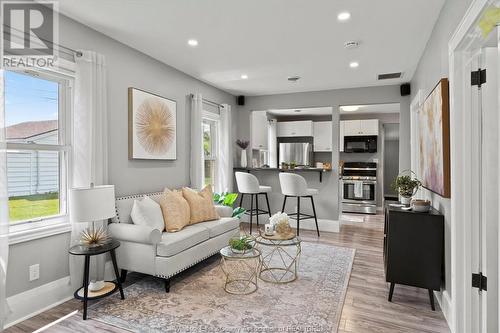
x,y
413,249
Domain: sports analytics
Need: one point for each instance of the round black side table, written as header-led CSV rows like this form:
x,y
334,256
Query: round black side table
x,y
83,250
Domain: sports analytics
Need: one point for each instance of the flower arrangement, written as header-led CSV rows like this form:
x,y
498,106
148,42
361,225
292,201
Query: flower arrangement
x,y
243,144
280,222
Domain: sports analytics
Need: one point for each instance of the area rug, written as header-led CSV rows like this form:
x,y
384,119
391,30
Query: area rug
x,y
197,301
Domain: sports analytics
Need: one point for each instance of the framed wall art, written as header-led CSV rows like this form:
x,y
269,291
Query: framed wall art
x,y
152,126
434,140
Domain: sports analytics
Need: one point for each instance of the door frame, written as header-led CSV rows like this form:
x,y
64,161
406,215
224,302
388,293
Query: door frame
x,y
466,38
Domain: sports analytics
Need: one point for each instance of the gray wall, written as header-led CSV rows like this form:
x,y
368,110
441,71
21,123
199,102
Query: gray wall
x,y
432,67
126,67
333,98
391,166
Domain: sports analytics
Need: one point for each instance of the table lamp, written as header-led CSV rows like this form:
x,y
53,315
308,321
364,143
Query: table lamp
x,y
91,204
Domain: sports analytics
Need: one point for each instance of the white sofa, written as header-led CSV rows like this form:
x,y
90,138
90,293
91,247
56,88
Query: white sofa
x,y
152,252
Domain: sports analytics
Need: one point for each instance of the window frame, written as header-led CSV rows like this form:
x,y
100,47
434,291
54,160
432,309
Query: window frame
x,y
214,156
21,231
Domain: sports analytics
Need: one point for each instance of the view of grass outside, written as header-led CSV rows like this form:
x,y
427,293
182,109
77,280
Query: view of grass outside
x,y
33,206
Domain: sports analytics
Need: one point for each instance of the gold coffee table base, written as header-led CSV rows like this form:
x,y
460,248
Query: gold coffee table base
x,y
278,275
280,259
241,270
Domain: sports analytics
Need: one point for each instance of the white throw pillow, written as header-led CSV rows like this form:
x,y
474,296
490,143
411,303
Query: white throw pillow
x,y
147,212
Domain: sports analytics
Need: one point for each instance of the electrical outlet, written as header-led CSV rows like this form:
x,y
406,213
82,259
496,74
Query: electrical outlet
x,y
34,272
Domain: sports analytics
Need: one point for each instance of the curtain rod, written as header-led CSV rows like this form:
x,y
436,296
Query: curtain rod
x,y
209,102
73,52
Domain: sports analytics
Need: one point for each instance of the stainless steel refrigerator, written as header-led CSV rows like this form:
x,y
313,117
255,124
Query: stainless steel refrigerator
x,y
299,152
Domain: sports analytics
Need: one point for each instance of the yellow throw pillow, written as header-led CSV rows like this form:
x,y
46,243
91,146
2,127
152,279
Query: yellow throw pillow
x,y
175,209
201,204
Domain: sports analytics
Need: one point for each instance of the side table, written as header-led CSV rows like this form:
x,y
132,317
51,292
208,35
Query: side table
x,y
110,287
241,270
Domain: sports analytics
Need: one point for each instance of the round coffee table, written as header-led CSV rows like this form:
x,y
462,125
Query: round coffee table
x,y
241,270
280,257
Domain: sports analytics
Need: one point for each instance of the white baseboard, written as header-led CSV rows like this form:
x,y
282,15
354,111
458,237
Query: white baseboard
x,y
37,300
444,301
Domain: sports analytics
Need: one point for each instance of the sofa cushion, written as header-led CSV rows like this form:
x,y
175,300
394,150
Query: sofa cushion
x,y
174,242
147,212
220,226
176,211
201,204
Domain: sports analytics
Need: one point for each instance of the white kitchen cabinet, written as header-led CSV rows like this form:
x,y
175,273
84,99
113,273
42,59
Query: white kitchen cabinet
x,y
322,136
295,128
360,127
259,131
341,136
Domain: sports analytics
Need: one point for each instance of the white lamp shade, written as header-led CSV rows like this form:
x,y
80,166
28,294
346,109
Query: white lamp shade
x,y
92,203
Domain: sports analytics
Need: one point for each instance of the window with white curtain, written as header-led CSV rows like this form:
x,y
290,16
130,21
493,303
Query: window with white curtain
x,y
38,138
210,127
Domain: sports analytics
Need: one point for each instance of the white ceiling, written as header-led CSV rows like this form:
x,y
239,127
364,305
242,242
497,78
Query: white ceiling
x,y
327,111
270,40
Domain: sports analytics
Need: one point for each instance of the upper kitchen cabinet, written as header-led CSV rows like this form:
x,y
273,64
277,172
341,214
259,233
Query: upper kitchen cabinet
x,y
360,127
322,136
259,124
295,128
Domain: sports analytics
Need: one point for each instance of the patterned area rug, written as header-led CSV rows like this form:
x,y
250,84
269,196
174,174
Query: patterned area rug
x,y
197,301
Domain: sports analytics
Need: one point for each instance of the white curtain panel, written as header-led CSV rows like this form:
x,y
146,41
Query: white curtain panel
x,y
224,167
196,167
90,148
4,210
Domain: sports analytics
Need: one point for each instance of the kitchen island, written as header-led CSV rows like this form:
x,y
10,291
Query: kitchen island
x,y
320,171
326,201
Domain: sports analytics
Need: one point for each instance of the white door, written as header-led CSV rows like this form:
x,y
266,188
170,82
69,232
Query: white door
x,y
484,179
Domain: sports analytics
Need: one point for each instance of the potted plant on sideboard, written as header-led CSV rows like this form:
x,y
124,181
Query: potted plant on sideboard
x,y
406,184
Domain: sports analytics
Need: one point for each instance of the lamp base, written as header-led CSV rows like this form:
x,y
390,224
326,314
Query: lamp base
x,y
96,285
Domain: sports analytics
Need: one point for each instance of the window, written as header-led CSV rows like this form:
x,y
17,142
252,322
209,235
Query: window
x,y
209,127
37,145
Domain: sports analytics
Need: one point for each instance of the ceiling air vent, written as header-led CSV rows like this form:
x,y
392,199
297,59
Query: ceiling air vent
x,y
294,78
388,76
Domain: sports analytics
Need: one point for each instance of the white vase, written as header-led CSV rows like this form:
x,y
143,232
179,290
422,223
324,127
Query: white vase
x,y
243,161
405,200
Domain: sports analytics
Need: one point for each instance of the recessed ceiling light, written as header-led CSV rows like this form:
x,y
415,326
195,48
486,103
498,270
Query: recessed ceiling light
x,y
350,108
193,42
244,76
354,64
344,16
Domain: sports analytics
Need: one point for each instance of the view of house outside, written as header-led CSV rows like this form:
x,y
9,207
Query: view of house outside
x,y
31,113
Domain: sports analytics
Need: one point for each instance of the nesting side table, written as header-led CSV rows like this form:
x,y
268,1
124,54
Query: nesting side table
x,y
241,270
110,286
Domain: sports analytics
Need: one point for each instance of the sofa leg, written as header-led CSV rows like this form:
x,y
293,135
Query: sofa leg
x,y
167,285
123,275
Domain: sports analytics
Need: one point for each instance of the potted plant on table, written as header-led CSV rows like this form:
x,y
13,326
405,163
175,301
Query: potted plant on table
x,y
241,244
243,144
406,185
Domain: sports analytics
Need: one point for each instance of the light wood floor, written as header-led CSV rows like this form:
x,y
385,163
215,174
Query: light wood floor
x,y
366,309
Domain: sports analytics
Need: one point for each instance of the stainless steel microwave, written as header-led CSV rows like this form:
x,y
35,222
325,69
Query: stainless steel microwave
x,y
360,144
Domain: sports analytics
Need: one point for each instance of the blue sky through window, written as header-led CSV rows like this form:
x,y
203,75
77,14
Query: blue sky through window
x,y
28,98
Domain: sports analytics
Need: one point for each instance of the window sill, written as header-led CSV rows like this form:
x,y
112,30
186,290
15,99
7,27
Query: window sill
x,y
34,230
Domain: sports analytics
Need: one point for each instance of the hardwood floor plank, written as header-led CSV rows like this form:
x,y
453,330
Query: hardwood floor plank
x,y
366,309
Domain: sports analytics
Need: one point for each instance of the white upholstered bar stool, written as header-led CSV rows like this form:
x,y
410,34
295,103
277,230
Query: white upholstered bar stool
x,y
249,184
293,185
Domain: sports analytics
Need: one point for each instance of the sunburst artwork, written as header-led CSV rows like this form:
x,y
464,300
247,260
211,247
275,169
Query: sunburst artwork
x,y
152,126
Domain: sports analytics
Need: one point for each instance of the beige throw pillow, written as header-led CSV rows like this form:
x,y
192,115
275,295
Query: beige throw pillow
x,y
175,209
201,204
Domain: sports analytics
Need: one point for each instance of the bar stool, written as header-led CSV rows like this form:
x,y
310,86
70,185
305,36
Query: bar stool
x,y
293,185
249,184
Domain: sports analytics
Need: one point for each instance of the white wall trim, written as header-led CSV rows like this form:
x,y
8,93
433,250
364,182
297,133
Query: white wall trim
x,y
37,300
445,303
32,231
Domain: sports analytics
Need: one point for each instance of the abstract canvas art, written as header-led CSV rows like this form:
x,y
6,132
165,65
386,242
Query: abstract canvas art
x,y
152,126
434,140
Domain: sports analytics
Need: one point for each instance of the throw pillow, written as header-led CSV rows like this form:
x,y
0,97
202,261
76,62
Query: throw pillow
x,y
175,208
147,212
201,204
